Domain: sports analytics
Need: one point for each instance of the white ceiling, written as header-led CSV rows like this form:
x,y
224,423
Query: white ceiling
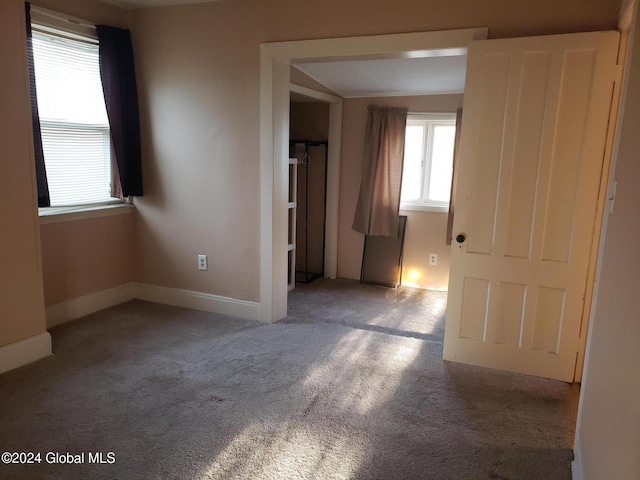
x,y
431,75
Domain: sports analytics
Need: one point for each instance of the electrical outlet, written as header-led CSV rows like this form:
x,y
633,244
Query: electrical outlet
x,y
433,259
202,262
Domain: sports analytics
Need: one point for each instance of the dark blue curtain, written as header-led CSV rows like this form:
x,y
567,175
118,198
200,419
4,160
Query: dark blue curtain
x,y
41,172
121,97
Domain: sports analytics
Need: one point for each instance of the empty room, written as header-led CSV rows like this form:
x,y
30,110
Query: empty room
x,y
173,304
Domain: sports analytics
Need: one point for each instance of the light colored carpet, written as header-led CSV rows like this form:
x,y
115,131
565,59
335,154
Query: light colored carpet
x,y
179,394
405,311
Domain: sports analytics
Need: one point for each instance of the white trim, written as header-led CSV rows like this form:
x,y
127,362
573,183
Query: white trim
x,y
275,65
431,117
64,22
69,214
577,472
309,92
198,301
292,221
428,123
87,304
266,184
334,159
79,307
400,93
400,45
626,24
25,351
423,207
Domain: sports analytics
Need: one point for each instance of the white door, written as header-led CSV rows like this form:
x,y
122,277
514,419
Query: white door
x,y
531,155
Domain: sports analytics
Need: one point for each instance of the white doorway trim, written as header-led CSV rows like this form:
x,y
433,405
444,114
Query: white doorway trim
x,y
275,64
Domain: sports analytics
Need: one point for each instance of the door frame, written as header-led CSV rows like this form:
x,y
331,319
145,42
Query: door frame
x,y
275,63
607,188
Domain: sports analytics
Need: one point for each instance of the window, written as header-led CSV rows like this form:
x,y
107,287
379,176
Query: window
x,y
73,118
428,162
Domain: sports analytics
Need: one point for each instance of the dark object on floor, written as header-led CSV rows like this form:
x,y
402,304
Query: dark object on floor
x,y
382,258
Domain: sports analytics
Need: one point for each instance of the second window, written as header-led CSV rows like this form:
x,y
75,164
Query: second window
x,y
428,162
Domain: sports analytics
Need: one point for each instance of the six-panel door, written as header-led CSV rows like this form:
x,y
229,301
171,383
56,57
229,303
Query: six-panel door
x,y
532,143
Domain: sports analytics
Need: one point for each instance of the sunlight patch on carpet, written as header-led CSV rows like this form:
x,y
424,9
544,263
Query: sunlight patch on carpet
x,y
290,450
377,379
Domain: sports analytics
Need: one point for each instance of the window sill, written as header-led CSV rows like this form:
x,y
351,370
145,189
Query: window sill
x,y
68,214
424,208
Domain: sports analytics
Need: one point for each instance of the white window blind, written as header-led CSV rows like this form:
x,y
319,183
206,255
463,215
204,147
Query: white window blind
x,y
73,117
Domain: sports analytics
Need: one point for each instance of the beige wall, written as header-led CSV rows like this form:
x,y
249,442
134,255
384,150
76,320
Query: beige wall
x,y
608,430
198,71
21,295
426,231
86,256
295,20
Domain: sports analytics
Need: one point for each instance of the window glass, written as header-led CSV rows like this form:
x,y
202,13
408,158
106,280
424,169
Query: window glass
x,y
441,163
412,169
73,118
428,160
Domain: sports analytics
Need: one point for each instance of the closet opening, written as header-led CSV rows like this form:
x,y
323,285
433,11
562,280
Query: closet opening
x,y
307,197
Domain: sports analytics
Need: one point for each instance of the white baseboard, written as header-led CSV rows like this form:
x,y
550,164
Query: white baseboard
x,y
25,351
198,301
79,307
576,465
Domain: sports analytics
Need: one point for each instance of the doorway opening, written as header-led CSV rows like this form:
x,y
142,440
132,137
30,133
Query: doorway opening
x,y
276,61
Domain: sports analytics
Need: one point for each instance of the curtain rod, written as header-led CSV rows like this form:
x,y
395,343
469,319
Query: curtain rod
x,y
62,17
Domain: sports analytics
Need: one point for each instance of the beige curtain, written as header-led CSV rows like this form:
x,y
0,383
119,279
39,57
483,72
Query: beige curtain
x,y
454,178
379,200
